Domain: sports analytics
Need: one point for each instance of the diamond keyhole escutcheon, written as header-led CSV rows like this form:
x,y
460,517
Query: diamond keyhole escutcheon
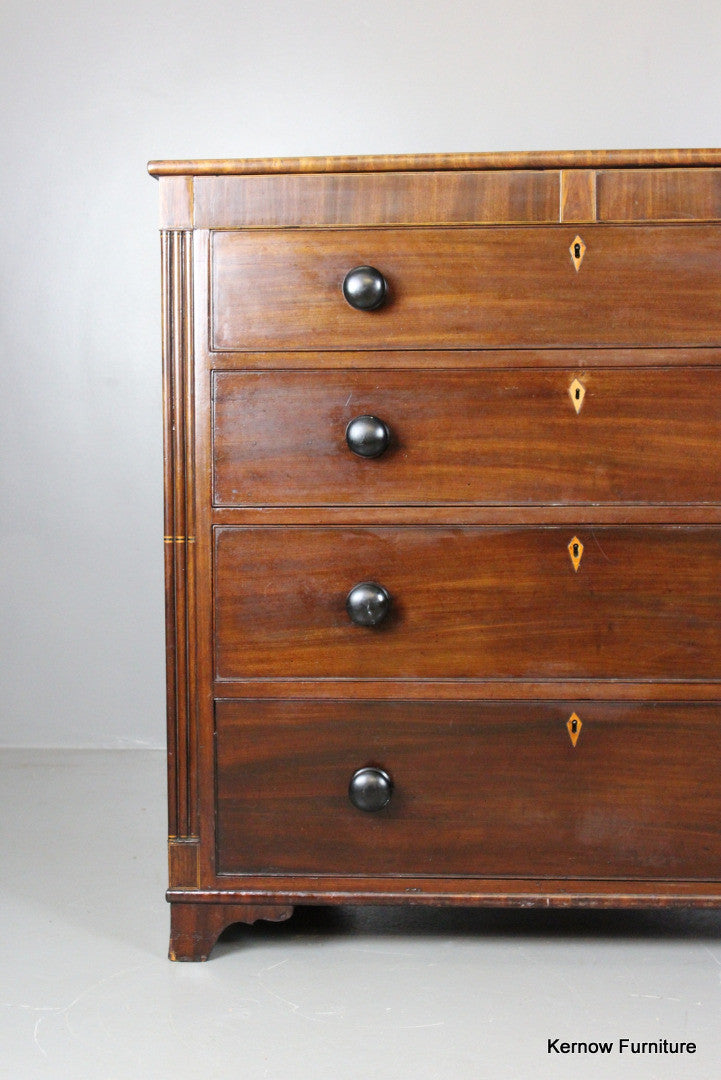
x,y
577,250
573,726
575,550
577,392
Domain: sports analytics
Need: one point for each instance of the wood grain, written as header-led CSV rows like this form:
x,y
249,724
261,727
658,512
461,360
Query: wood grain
x,y
578,195
452,891
456,514
418,198
573,359
176,202
480,789
180,591
469,288
469,603
195,927
398,689
488,437
659,194
383,199
543,159
183,869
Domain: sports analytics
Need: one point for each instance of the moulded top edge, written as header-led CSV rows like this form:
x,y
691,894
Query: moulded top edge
x,y
542,159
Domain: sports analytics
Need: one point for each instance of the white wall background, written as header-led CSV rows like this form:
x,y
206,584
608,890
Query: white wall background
x,y
91,89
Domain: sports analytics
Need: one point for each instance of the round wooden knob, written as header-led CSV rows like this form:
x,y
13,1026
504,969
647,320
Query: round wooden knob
x,y
368,603
370,789
365,288
367,436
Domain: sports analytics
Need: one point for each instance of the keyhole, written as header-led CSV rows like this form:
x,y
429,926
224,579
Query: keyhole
x,y
578,393
577,250
574,726
575,551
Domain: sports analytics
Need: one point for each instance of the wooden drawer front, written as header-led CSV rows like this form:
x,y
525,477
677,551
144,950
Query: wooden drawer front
x,y
480,789
470,602
504,437
469,287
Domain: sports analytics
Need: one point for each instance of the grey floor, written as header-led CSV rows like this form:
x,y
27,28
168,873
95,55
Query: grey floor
x,y
87,991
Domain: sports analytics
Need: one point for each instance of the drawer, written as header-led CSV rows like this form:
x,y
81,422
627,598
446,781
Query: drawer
x,y
479,789
469,602
609,435
467,288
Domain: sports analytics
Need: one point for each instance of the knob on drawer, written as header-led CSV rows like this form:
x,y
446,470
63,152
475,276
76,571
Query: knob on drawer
x,y
370,789
365,288
367,436
368,603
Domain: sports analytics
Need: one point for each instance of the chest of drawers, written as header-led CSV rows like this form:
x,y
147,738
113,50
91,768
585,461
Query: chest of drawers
x,y
443,532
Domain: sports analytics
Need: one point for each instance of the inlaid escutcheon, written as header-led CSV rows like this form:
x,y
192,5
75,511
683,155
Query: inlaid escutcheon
x,y
575,550
574,725
577,392
577,250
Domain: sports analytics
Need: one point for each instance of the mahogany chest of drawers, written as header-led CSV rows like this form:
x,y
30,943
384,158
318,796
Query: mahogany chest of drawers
x,y
443,532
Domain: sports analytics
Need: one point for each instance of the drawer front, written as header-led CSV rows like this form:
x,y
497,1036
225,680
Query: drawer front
x,y
469,602
479,789
468,287
617,435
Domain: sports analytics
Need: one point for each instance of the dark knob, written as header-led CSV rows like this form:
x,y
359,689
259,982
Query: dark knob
x,y
368,604
365,288
367,436
370,789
